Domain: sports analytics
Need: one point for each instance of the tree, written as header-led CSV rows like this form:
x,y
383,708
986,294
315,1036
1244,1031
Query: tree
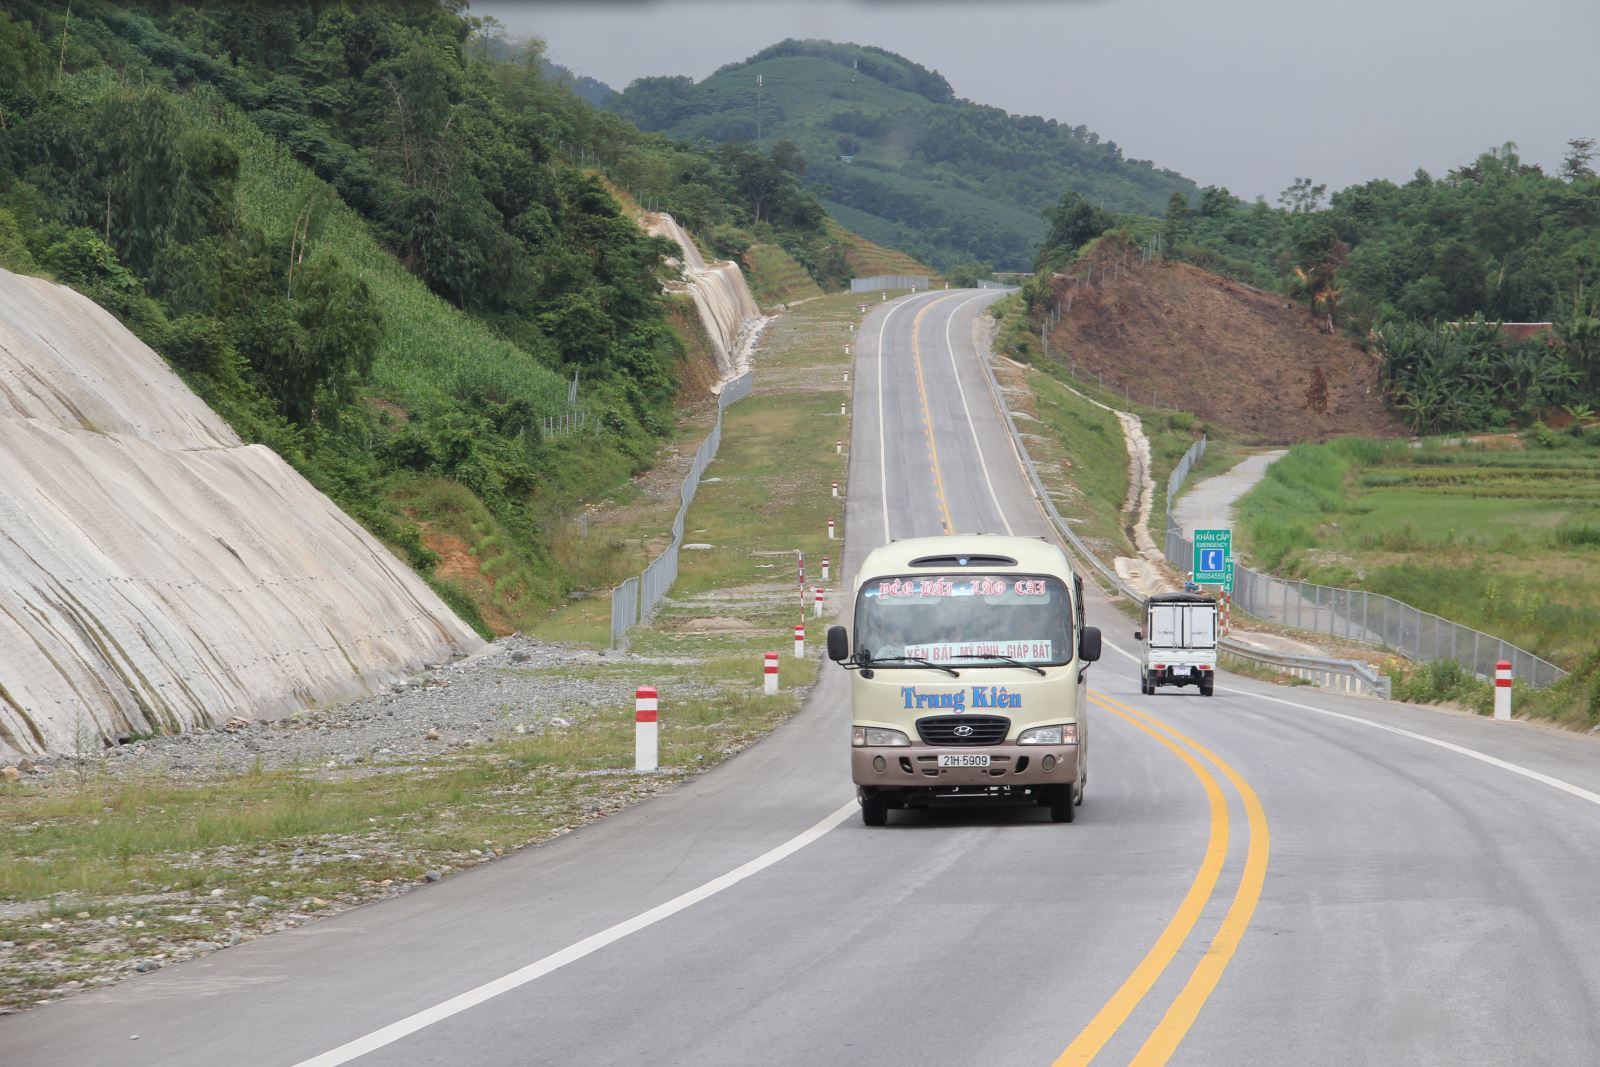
x,y
1074,222
1302,197
786,156
1177,213
1216,202
1580,150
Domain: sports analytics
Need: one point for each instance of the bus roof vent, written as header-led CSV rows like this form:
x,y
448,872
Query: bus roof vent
x,y
972,560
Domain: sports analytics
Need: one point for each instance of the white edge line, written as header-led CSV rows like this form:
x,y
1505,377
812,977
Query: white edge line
x,y
1460,750
473,997
1449,746
883,446
961,391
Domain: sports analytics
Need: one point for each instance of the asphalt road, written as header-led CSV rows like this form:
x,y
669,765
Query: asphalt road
x,y
1270,876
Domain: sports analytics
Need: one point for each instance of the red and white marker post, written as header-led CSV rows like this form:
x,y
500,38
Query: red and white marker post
x,y
835,488
825,568
841,407
838,448
800,640
817,612
1502,689
646,739
830,530
769,671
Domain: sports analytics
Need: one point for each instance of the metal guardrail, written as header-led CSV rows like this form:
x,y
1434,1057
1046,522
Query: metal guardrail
x,y
888,281
1365,617
1342,675
635,600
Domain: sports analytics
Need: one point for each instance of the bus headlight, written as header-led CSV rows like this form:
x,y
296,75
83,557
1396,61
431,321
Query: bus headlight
x,y
877,737
1050,735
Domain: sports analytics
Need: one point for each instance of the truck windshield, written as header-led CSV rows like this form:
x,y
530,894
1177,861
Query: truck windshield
x,y
962,618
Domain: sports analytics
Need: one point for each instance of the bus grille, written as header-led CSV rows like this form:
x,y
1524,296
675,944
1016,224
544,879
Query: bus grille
x,y
942,730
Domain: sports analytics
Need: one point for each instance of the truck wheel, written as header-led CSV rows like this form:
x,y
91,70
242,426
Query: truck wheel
x,y
1144,684
874,810
1207,686
1063,804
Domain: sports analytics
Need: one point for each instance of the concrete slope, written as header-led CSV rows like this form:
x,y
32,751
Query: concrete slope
x,y
721,297
156,574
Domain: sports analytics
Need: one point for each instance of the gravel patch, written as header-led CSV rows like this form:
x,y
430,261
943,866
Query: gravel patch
x,y
516,686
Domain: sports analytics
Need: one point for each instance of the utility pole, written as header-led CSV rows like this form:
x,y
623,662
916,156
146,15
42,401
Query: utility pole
x,y
758,109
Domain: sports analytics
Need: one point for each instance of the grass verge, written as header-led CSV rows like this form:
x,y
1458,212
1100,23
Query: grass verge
x,y
119,871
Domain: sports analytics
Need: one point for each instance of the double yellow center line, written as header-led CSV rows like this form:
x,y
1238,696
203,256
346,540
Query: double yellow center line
x,y
927,416
1185,1007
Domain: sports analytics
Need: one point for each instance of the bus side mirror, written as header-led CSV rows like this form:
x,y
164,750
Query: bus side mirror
x,y
1138,635
1089,644
838,644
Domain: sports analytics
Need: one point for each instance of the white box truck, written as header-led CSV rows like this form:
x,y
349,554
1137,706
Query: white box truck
x,y
969,666
1180,642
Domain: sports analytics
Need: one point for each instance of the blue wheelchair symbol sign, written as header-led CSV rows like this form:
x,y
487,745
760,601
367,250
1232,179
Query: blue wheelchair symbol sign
x,y
1211,559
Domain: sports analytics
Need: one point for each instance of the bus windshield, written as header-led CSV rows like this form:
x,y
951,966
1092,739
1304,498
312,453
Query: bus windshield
x,y
965,619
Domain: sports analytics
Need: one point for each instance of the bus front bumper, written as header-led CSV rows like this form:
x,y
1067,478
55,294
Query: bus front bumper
x,y
917,766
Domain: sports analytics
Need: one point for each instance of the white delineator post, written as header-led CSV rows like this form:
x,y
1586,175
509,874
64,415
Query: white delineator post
x,y
838,448
769,672
1502,690
835,488
830,530
841,407
646,740
824,568
817,613
800,641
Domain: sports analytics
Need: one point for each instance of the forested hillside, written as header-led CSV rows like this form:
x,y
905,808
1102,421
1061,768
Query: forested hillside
x,y
1420,272
944,178
370,235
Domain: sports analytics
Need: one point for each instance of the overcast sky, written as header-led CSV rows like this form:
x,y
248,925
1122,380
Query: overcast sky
x,y
1249,94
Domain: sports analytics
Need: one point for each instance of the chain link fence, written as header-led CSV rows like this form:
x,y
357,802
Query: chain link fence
x,y
635,600
1356,614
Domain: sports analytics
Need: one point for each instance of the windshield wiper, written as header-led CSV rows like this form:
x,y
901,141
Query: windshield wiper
x,y
873,661
1006,659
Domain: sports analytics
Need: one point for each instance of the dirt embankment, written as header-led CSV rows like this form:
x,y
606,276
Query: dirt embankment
x,y
1232,354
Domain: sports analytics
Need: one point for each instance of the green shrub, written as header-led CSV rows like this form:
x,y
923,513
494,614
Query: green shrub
x,y
1578,535
1440,681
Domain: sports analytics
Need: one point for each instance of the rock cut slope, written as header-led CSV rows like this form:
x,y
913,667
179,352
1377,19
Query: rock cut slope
x,y
1182,337
156,573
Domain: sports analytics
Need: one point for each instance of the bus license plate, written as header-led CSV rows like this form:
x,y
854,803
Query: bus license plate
x,y
963,760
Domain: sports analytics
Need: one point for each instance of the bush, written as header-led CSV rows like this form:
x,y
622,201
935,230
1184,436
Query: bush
x,y
1440,681
1539,436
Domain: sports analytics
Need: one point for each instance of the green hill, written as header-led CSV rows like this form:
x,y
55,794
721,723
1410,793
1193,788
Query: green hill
x,y
374,240
944,178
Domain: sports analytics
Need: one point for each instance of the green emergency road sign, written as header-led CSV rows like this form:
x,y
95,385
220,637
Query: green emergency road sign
x,y
1213,552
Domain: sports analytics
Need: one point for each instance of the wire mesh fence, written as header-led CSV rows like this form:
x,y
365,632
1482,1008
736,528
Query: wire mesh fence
x,y
635,600
1358,615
